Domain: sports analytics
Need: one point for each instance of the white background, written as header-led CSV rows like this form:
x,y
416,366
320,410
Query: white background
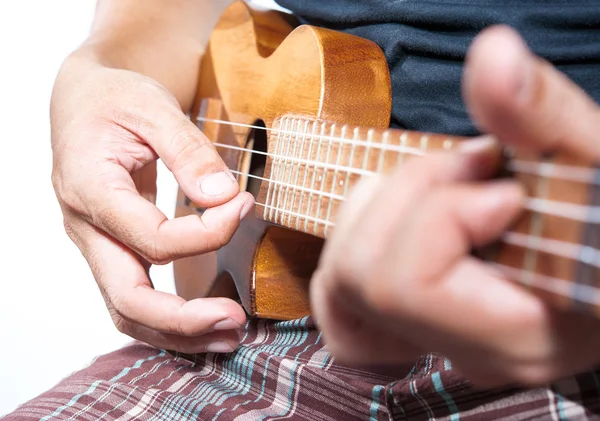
x,y
52,317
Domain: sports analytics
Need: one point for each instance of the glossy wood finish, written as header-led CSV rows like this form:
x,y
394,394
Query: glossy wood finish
x,y
325,100
246,76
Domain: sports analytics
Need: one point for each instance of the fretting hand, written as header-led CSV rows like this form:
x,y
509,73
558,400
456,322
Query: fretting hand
x,y
396,279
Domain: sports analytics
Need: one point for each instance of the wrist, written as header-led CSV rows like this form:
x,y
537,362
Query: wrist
x,y
175,67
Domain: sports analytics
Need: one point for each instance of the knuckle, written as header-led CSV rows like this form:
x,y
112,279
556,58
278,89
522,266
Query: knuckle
x,y
66,194
221,237
70,229
183,329
155,252
133,121
187,139
55,179
355,262
346,270
69,198
120,324
117,304
534,375
381,299
105,216
127,119
216,235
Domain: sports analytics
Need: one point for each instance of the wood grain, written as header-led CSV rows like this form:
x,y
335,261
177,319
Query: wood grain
x,y
325,100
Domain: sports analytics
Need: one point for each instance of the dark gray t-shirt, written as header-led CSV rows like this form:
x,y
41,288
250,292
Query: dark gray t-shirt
x,y
425,42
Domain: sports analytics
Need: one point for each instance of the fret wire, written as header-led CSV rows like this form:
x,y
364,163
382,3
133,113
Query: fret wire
x,y
286,163
285,186
301,188
309,154
293,189
335,176
351,162
298,168
424,143
277,164
384,141
273,170
535,230
283,166
299,215
314,177
365,164
323,177
403,140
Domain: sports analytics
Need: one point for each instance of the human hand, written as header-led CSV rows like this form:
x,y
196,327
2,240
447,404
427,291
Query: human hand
x,y
109,126
396,278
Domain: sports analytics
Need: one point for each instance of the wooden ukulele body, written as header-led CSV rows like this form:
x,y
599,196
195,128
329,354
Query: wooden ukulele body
x,y
258,67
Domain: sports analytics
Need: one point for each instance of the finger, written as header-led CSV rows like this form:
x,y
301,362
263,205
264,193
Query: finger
x,y
464,216
186,151
350,214
127,289
349,334
446,223
478,158
217,342
399,194
525,101
140,225
474,311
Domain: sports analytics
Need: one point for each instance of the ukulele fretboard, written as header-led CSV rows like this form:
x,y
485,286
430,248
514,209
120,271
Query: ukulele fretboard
x,y
554,246
313,165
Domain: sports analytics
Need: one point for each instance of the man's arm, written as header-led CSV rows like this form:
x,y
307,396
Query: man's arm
x,y
161,39
117,107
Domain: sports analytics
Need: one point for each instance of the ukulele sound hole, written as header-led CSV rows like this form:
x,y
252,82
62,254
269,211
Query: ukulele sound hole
x,y
254,163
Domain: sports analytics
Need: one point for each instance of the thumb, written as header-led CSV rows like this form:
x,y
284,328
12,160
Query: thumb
x,y
525,101
191,157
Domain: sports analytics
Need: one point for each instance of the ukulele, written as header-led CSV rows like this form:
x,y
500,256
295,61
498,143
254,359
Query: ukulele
x,y
300,115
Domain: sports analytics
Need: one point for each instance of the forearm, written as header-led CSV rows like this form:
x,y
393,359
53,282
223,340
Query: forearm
x,y
162,39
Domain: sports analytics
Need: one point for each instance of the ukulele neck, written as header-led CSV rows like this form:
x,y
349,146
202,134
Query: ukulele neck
x,y
313,165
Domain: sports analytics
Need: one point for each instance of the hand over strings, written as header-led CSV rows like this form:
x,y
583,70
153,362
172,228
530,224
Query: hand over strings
x,y
397,279
109,126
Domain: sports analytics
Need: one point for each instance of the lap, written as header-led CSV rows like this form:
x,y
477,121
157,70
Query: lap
x,y
283,370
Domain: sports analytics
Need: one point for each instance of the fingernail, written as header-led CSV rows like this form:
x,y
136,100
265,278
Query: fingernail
x,y
227,324
478,145
246,209
217,184
219,347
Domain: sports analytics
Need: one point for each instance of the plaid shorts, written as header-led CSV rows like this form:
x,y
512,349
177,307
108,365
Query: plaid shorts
x,y
283,371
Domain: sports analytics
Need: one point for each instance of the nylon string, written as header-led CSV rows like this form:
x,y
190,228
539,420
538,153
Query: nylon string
x,y
582,213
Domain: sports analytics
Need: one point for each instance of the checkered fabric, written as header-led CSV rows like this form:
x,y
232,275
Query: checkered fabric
x,y
283,371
